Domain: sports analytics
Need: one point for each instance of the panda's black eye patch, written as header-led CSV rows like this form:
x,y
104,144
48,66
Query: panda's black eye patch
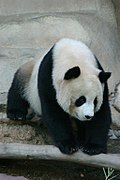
x,y
95,102
80,101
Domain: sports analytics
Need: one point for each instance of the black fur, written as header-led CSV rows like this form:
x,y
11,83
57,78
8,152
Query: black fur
x,y
17,106
104,76
72,73
91,137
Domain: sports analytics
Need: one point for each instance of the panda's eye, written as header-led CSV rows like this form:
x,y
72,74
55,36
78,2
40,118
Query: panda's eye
x,y
95,102
80,101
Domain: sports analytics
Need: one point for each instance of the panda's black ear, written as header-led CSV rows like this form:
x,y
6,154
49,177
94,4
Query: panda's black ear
x,y
104,76
72,73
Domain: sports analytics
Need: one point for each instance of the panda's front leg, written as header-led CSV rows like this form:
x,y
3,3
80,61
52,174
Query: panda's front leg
x,y
59,126
97,129
97,133
96,139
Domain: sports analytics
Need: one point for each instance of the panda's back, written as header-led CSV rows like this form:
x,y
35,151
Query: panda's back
x,y
69,53
31,89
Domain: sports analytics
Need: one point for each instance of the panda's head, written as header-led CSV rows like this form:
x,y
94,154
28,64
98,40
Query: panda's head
x,y
78,82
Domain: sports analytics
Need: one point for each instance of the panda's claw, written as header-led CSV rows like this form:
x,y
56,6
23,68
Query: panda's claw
x,y
68,147
16,116
93,149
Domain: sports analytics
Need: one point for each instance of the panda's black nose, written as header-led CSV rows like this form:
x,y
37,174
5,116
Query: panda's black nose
x,y
88,117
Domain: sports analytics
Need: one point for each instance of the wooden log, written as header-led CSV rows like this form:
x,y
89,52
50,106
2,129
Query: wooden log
x,y
50,152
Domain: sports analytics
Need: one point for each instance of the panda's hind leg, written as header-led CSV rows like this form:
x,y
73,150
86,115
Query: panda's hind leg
x,y
17,106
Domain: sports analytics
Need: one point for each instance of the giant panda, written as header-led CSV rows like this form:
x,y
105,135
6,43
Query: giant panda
x,y
66,85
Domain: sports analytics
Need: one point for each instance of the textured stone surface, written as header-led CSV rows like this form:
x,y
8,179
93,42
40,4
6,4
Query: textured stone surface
x,y
40,33
10,60
115,105
42,6
117,12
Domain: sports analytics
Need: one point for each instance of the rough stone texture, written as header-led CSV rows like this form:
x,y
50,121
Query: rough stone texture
x,y
3,98
117,12
117,97
42,32
115,119
10,60
115,105
105,11
42,6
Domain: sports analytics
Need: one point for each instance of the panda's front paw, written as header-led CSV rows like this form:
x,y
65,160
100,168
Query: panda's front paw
x,y
16,116
93,149
68,146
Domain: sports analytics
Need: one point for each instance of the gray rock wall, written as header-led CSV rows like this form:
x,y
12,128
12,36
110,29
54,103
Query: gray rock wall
x,y
117,12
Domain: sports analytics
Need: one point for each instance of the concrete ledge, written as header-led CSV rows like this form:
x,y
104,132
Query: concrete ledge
x,y
40,33
30,6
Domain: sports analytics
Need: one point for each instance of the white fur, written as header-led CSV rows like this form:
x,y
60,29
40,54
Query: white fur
x,y
32,90
68,53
